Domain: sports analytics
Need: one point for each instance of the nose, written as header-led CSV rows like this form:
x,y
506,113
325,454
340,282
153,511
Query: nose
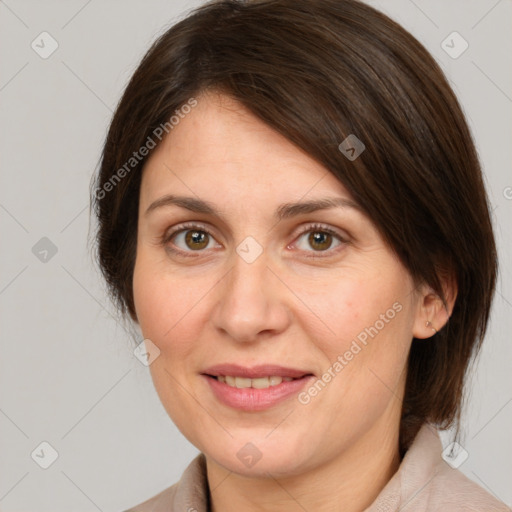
x,y
251,302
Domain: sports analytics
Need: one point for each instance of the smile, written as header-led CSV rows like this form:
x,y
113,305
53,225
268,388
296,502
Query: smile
x,y
259,383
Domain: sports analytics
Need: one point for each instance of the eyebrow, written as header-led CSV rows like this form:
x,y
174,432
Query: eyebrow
x,y
284,211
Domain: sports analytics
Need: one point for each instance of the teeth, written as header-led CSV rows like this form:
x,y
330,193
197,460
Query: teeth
x,y
259,383
265,382
242,382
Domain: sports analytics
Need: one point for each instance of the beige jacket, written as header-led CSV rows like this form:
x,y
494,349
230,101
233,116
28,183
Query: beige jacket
x,y
424,482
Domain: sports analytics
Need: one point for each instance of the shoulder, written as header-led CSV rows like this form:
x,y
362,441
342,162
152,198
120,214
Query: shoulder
x,y
189,494
426,482
452,490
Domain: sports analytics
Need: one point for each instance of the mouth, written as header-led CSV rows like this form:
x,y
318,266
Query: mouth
x,y
255,388
260,375
245,382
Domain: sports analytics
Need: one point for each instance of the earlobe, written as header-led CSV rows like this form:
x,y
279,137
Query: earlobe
x,y
429,325
431,317
433,313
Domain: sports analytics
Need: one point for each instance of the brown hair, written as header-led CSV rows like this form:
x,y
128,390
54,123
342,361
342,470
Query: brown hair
x,y
317,71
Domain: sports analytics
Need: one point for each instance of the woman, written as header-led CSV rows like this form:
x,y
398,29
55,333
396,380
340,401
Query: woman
x,y
291,207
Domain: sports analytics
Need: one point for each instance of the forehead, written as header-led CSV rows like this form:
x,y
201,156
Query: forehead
x,y
221,149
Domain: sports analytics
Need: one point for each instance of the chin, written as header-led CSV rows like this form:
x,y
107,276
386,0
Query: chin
x,y
259,457
278,466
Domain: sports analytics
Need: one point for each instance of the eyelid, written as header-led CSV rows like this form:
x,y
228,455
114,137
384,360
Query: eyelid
x,y
184,226
321,227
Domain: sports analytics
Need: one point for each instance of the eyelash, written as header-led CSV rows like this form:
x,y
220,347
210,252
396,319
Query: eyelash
x,y
167,237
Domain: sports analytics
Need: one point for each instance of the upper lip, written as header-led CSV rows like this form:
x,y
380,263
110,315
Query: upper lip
x,y
254,372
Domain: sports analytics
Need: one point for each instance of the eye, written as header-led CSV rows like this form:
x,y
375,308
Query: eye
x,y
189,238
319,238
194,240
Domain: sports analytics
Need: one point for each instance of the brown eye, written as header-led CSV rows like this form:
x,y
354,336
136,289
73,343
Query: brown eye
x,y
187,239
320,240
196,240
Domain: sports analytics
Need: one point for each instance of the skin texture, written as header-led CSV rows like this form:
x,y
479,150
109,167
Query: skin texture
x,y
288,307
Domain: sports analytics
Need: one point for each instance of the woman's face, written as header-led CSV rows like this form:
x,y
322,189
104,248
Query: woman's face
x,y
234,271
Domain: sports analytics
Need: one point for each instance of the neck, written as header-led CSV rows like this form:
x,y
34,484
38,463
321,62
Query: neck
x,y
351,481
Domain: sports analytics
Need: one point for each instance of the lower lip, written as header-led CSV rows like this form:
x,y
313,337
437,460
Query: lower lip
x,y
251,399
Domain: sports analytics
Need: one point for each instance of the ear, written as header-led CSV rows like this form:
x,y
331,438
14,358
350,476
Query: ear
x,y
432,313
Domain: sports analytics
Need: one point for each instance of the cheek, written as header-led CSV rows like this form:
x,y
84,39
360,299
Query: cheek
x,y
165,308
151,300
367,331
171,310
161,303
351,308
366,358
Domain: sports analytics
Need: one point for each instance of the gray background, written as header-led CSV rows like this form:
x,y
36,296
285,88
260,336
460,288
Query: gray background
x,y
68,375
